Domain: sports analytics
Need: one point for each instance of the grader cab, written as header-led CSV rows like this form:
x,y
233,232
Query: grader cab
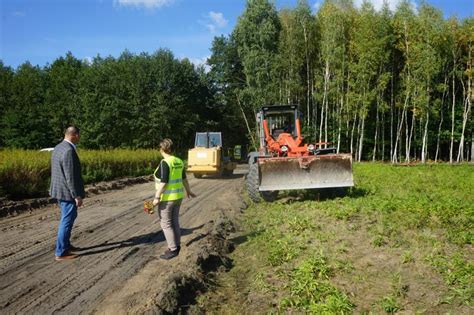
x,y
284,162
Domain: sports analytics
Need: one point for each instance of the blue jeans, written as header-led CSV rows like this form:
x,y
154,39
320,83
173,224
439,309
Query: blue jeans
x,y
68,215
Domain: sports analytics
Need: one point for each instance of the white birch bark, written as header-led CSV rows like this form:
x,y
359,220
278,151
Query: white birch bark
x,y
352,134
425,139
467,106
361,142
399,129
451,147
376,132
325,96
247,124
441,116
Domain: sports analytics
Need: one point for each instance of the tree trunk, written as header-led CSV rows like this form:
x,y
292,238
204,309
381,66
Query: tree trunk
x,y
408,131
339,129
407,139
465,116
325,96
361,141
425,139
358,139
308,80
383,136
441,110
391,116
326,123
451,148
399,129
472,147
467,105
376,132
247,124
392,145
352,134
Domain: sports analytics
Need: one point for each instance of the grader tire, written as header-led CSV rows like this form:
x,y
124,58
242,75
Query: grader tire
x,y
197,175
252,187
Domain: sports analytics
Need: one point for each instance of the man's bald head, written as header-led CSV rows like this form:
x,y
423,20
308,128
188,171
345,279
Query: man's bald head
x,y
72,134
71,131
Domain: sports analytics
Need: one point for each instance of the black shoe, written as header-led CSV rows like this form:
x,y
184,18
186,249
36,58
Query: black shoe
x,y
170,254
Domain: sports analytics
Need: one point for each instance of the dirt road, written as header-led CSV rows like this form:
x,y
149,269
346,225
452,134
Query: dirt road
x,y
118,270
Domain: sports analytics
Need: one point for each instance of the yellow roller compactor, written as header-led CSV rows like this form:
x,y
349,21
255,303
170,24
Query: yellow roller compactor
x,y
208,158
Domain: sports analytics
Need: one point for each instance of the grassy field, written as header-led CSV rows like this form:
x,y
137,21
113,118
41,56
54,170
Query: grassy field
x,y
26,173
400,241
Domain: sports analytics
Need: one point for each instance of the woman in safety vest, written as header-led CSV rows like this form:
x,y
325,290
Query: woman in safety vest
x,y
170,184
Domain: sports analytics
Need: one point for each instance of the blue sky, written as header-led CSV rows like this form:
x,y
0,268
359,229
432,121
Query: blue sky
x,y
40,31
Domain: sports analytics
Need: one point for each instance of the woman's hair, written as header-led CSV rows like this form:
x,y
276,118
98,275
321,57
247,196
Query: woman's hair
x,y
166,145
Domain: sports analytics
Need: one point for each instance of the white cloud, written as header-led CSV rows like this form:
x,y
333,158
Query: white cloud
x,y
317,5
215,21
199,62
88,60
218,19
378,4
19,13
148,4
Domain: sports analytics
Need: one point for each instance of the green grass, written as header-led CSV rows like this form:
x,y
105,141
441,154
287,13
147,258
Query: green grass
x,y
311,291
400,240
413,198
26,173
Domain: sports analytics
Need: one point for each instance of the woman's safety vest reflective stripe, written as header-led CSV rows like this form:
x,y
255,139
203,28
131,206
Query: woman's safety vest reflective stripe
x,y
174,189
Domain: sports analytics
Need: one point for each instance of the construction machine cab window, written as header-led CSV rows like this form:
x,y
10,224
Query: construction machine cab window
x,y
282,122
208,139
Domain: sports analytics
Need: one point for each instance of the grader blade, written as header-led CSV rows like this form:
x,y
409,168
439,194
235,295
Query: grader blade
x,y
323,171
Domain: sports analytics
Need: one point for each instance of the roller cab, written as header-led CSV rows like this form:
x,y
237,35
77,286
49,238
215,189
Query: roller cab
x,y
208,158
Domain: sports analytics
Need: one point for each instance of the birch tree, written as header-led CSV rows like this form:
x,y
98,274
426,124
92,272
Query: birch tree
x,y
257,36
426,66
333,19
404,20
368,78
467,41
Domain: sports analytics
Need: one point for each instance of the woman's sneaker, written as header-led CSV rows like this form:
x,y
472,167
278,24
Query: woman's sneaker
x,y
168,254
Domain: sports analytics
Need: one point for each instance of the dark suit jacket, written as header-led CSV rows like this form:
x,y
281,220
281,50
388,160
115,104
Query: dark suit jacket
x,y
66,179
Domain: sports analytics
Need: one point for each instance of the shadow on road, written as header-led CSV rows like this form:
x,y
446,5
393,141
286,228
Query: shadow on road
x,y
210,177
145,239
321,194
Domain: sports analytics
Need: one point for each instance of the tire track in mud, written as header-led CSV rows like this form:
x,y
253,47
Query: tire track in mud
x,y
20,253
117,238
85,276
107,231
156,287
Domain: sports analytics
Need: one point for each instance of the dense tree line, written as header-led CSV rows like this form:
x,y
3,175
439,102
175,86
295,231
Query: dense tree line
x,y
382,85
132,101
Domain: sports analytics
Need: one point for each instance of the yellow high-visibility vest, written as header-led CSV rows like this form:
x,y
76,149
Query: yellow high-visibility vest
x,y
174,189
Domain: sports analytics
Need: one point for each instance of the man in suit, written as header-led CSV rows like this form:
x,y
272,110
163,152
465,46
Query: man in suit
x,y
67,187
